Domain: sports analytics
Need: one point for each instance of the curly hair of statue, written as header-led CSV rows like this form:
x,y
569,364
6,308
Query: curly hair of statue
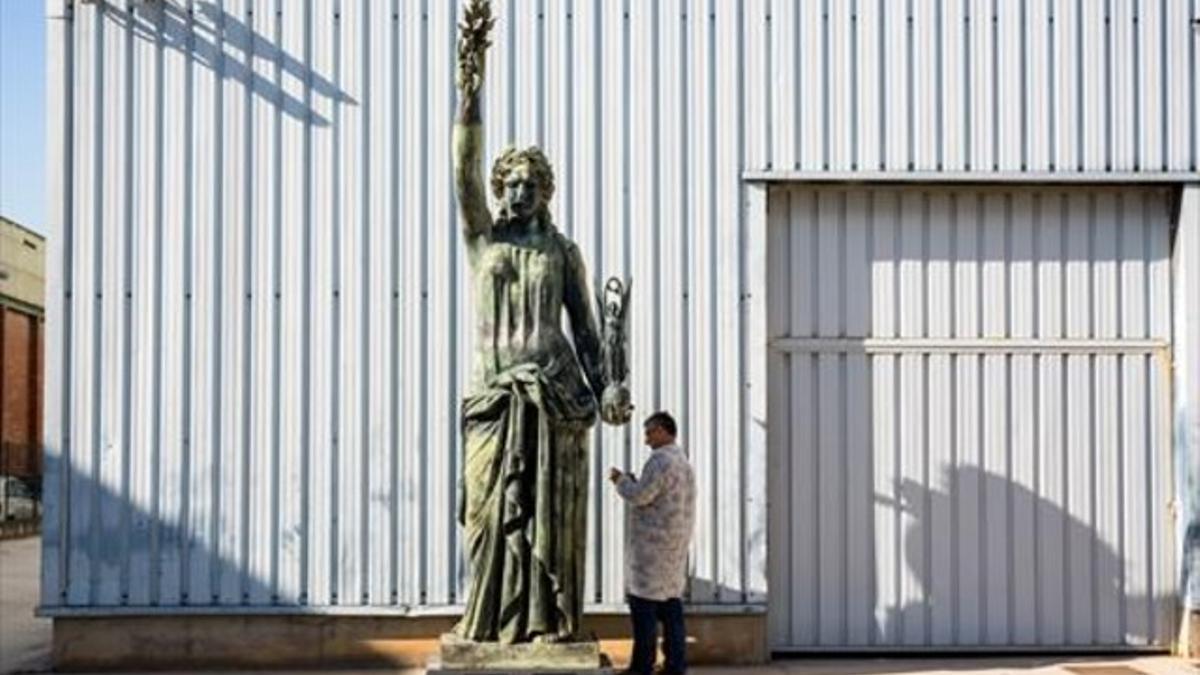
x,y
539,165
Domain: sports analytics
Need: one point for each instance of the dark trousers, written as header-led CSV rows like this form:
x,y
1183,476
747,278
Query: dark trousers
x,y
646,615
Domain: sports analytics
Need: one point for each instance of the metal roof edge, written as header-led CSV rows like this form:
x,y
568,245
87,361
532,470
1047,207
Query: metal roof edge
x,y
975,177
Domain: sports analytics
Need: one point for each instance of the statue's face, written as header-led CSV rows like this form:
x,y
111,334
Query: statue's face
x,y
522,193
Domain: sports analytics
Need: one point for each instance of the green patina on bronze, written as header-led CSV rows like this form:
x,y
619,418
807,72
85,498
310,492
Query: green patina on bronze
x,y
534,393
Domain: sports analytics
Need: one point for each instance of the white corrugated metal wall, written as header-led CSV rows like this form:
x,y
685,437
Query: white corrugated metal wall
x,y
257,300
971,417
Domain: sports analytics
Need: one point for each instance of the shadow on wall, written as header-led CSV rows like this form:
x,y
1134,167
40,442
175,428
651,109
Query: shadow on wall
x,y
1063,585
111,556
231,48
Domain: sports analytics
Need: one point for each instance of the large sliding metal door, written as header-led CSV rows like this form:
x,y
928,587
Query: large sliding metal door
x,y
969,419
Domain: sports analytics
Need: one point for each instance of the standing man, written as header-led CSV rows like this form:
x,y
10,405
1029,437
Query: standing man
x,y
662,505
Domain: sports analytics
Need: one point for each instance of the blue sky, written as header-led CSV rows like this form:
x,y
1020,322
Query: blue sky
x,y
22,112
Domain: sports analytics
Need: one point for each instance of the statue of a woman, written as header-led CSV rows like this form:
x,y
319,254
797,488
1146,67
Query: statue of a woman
x,y
534,393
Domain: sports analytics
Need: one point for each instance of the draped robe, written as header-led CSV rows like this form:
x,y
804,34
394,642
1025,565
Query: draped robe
x,y
525,422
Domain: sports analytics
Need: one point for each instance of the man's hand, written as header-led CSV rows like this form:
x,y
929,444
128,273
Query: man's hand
x,y
614,474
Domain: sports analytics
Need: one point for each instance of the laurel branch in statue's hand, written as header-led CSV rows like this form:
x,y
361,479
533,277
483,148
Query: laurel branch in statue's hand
x,y
473,30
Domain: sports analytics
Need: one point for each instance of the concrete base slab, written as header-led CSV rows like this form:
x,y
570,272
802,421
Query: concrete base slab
x,y
434,668
309,642
456,654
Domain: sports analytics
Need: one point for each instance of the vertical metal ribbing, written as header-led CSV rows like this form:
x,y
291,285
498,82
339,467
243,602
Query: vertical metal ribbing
x,y
219,226
62,470
854,75
307,272
1137,92
275,436
252,244
1010,555
364,303
1109,141
881,73
685,211
1024,69
798,98
626,214
656,189
1052,87
927,489
597,274
569,69
939,78
156,486
1193,111
1078,162
743,327
423,406
453,571
335,372
825,89
967,81
995,77
1036,421
98,183
126,297
397,416
910,89
955,459
711,180
768,102
540,83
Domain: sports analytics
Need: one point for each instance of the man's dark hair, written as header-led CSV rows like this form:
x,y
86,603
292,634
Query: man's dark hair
x,y
662,419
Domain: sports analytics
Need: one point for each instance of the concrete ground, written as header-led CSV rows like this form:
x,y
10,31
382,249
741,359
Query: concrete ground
x,y
25,643
24,640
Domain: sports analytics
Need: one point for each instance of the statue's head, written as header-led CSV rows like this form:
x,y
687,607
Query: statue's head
x,y
523,182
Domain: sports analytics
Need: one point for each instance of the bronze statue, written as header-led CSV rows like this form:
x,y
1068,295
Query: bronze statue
x,y
534,393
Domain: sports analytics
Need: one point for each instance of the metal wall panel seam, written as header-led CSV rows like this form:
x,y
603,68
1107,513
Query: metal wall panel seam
x,y
203,487
364,301
98,218
113,485
131,147
685,244
59,223
910,78
458,323
656,189
797,118
274,404
335,275
1164,88
423,278
155,473
854,75
714,399
826,91
396,408
743,329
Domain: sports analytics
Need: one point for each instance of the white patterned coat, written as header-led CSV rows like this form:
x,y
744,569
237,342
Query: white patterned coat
x,y
658,529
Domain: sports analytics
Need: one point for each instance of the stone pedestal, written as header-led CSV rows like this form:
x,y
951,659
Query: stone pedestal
x,y
463,657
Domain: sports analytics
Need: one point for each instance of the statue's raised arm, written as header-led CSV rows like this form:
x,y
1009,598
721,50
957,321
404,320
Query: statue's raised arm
x,y
473,30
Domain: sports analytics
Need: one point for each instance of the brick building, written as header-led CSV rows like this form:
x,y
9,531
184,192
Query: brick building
x,y
22,298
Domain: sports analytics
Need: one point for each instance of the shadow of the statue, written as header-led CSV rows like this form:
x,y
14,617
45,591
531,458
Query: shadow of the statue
x,y
995,563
